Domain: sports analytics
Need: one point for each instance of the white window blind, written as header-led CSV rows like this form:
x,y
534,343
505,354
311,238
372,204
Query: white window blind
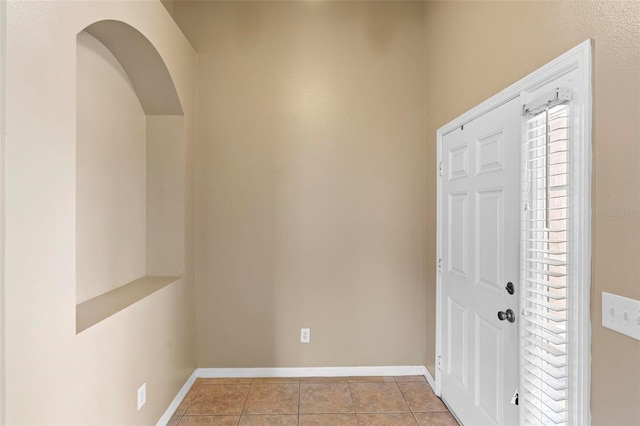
x,y
545,245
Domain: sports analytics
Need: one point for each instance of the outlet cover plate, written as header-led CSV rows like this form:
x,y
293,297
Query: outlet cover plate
x,y
305,335
621,314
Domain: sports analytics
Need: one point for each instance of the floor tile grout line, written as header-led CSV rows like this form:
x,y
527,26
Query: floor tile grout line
x,y
353,401
438,410
244,404
299,400
405,399
413,414
199,385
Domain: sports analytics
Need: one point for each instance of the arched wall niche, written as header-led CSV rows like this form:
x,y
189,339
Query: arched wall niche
x,y
130,172
142,63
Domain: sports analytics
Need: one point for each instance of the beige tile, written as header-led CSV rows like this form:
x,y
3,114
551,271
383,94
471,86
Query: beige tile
x,y
228,381
387,419
377,398
182,407
269,420
436,419
324,379
209,421
262,380
371,379
188,398
420,397
401,379
325,398
273,398
174,420
328,420
218,400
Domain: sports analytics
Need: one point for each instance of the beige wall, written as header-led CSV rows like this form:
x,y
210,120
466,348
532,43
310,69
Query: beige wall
x,y
165,195
474,50
111,174
311,182
54,376
3,38
168,4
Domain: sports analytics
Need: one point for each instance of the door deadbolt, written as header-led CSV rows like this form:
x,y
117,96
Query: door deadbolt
x,y
510,288
508,315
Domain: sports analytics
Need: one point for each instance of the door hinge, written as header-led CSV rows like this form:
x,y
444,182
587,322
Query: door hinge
x,y
439,265
439,363
440,169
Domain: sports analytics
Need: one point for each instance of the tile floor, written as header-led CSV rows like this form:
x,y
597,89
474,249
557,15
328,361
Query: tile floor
x,y
322,401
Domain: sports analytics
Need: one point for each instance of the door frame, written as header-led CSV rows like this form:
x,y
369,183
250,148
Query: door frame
x,y
578,58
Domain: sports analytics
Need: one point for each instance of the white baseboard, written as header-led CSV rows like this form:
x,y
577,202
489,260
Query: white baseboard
x,y
178,399
430,379
410,370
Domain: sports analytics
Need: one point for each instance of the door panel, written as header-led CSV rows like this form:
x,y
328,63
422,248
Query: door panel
x,y
481,192
490,153
459,162
489,358
458,235
457,365
489,239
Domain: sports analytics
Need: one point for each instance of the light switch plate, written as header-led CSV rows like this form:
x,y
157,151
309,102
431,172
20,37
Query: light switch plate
x,y
621,314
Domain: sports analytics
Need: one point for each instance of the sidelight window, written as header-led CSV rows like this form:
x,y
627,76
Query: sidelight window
x,y
545,274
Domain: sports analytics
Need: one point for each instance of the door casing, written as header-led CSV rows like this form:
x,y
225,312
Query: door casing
x,y
579,61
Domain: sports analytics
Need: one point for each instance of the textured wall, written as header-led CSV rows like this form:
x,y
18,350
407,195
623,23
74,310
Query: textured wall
x,y
474,50
311,182
53,375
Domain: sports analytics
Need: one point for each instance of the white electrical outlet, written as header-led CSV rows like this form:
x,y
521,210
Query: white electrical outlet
x,y
305,335
142,395
621,314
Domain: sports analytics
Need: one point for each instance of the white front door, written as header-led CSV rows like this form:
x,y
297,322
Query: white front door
x,y
480,256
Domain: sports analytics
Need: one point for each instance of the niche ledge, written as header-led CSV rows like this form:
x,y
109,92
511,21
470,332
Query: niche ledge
x,y
101,307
